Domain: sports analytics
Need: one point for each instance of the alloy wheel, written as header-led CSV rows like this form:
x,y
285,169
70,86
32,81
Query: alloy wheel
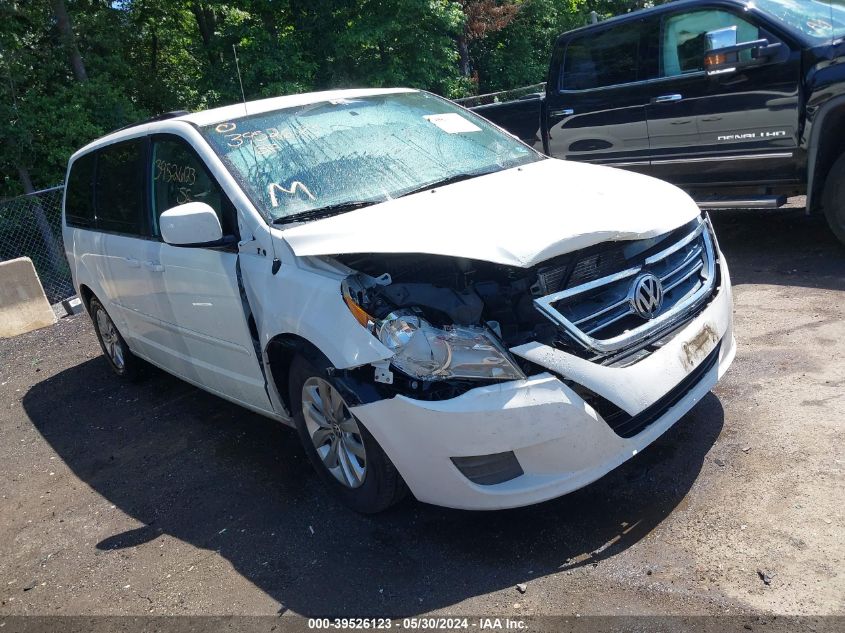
x,y
334,432
111,340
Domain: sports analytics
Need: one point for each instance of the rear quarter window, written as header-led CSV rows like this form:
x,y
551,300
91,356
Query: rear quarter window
x,y
79,193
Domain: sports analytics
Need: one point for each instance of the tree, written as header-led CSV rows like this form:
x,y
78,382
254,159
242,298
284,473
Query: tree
x,y
482,17
68,39
72,70
610,8
52,103
399,42
518,53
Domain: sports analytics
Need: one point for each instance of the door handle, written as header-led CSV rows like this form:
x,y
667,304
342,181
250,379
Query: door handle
x,y
564,112
156,267
132,262
667,98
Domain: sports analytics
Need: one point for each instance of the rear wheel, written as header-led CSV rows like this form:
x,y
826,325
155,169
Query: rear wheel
x,y
833,198
122,361
346,457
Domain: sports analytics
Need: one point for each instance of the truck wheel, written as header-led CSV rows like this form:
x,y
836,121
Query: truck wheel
x,y
346,457
833,198
122,361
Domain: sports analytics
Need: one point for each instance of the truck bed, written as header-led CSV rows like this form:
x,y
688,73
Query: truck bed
x,y
517,111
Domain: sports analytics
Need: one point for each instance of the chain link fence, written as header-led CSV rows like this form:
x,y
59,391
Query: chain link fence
x,y
31,226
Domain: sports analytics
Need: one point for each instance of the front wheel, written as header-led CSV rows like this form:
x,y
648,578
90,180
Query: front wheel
x,y
833,199
122,361
346,457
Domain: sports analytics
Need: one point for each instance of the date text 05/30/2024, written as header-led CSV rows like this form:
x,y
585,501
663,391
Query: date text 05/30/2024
x,y
410,624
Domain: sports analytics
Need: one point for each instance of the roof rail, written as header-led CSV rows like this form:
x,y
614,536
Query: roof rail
x,y
159,117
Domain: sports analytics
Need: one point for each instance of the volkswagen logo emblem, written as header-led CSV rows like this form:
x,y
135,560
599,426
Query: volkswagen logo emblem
x,y
647,296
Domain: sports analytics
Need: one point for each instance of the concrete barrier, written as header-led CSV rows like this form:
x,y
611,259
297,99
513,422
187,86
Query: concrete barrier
x,y
23,305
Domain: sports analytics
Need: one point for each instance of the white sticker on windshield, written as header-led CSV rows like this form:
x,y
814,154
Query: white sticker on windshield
x,y
452,123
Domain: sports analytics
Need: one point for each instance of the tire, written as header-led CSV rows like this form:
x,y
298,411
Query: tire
x,y
833,199
363,477
121,360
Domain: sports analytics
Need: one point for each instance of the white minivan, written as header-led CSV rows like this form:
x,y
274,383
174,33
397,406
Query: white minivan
x,y
431,303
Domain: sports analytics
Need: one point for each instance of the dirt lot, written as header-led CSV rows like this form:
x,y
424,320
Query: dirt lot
x,y
158,498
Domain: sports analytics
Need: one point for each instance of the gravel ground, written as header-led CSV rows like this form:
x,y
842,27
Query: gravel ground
x,y
156,498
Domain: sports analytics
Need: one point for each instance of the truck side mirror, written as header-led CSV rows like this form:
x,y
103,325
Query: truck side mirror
x,y
191,224
720,38
723,53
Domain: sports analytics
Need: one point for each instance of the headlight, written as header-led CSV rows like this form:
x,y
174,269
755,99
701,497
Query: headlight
x,y
429,353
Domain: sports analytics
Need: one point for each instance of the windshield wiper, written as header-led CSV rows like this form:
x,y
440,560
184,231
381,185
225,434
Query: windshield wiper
x,y
448,181
324,212
343,207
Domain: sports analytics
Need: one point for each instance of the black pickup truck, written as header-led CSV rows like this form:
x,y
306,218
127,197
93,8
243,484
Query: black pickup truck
x,y
740,103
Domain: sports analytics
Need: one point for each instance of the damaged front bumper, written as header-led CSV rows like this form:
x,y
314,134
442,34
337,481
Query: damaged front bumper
x,y
560,442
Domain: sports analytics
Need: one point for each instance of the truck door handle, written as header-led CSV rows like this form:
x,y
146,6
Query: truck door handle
x,y
667,98
564,112
156,267
132,262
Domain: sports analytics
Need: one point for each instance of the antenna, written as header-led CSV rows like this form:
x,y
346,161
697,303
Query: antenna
x,y
240,81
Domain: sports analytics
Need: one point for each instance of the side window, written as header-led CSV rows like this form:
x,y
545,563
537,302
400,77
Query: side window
x,y
607,58
79,194
120,204
180,176
683,44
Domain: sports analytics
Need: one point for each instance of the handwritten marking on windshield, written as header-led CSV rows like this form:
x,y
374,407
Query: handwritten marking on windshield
x,y
294,187
263,145
258,137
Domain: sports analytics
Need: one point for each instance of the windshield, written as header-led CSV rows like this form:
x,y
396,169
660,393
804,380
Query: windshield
x,y
819,19
332,156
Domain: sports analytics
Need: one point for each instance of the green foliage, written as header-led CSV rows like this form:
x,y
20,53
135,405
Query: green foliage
x,y
398,42
518,55
609,8
144,57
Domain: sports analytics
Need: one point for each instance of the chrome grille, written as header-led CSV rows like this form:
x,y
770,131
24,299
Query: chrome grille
x,y
599,315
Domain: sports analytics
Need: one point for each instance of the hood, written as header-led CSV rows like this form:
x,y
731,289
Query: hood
x,y
518,217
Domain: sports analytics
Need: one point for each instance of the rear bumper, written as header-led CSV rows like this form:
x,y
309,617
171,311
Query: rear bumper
x,y
560,441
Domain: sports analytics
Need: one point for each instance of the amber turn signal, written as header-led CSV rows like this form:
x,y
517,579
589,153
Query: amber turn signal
x,y
357,311
715,60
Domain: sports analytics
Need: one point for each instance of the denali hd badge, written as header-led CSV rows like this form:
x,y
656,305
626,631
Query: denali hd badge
x,y
751,136
647,296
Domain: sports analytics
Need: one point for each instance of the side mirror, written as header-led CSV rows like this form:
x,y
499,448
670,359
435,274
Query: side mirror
x,y
191,224
720,38
723,53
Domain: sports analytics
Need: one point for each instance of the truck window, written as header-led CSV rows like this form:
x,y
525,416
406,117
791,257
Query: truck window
x,y
180,176
120,188
604,59
683,43
79,195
